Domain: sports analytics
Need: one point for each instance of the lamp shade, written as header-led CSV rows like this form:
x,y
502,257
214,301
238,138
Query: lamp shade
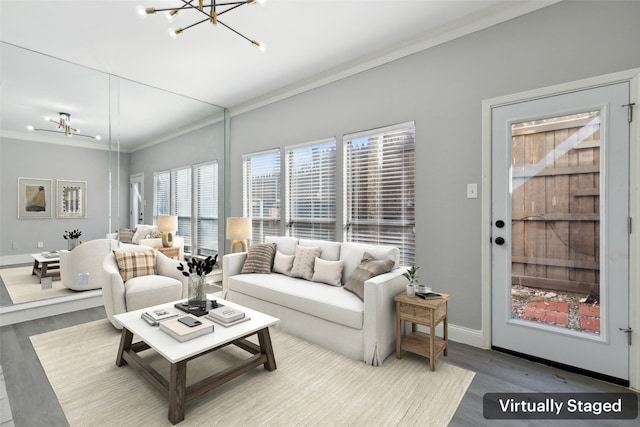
x,y
238,228
168,223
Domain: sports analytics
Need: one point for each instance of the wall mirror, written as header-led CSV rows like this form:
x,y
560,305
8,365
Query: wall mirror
x,y
138,126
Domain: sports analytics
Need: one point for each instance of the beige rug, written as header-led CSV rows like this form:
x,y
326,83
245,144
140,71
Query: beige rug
x,y
312,386
24,287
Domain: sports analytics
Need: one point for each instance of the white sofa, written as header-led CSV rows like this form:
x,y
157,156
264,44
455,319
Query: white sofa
x,y
329,316
140,237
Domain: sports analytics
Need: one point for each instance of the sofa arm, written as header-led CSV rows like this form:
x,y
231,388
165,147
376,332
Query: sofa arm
x,y
112,289
168,267
231,265
380,314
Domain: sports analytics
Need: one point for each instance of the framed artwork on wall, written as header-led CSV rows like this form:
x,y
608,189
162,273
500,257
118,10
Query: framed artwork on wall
x,y
34,198
71,199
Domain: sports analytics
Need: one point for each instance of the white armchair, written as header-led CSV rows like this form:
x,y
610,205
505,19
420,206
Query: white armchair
x,y
166,285
86,258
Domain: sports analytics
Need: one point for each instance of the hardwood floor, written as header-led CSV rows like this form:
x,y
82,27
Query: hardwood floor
x,y
33,402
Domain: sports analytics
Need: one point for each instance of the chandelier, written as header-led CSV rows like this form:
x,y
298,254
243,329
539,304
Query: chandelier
x,y
64,126
211,13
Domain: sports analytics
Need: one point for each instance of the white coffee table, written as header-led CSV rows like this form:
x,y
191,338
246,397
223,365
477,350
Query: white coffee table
x,y
178,354
45,266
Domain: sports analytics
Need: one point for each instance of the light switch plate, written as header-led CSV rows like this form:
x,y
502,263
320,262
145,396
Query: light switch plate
x,y
472,191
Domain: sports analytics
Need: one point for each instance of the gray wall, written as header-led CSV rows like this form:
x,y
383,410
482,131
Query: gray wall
x,y
21,158
442,89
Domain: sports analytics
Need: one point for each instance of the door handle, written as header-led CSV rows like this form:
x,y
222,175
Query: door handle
x,y
499,241
628,332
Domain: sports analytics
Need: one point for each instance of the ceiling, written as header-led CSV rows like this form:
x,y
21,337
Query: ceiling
x,y
309,43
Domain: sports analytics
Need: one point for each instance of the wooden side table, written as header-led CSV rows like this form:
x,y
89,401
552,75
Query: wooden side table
x,y
171,252
422,312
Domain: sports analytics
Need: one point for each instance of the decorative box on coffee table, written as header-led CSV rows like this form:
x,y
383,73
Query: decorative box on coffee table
x,y
428,313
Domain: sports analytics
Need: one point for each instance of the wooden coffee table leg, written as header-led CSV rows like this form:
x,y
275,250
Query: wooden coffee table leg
x,y
264,338
125,345
177,391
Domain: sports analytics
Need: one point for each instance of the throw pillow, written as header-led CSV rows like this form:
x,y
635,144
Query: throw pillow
x,y
259,258
142,231
304,262
134,264
329,272
125,235
369,267
283,263
155,235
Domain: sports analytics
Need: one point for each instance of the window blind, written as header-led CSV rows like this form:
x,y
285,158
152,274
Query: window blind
x,y
379,171
205,240
182,203
161,194
261,193
311,191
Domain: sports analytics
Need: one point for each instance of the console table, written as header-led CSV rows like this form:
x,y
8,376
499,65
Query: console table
x,y
428,313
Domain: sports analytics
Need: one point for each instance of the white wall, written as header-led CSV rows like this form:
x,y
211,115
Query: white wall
x,y
442,89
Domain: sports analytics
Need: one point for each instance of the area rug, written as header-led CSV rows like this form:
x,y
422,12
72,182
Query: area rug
x,y
311,386
23,286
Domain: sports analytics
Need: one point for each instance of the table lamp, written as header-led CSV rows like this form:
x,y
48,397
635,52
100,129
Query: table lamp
x,y
238,230
167,224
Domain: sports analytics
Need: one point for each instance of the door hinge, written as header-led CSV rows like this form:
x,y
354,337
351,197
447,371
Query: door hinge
x,y
630,111
628,332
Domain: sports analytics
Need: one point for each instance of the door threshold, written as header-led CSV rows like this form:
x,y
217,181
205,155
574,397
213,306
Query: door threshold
x,y
569,368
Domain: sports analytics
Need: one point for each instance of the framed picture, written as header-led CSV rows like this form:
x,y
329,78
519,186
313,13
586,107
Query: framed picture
x,y
34,198
72,199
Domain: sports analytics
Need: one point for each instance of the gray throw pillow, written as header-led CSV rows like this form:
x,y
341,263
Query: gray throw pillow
x,y
259,258
304,261
369,267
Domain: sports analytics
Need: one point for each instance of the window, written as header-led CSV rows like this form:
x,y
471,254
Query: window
x,y
379,170
161,194
181,203
205,178
190,193
261,193
311,191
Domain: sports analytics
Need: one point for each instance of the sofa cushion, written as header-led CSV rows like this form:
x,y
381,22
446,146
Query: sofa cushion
x,y
259,258
125,235
145,291
286,245
304,262
368,268
352,253
135,264
331,303
142,232
329,272
330,250
283,263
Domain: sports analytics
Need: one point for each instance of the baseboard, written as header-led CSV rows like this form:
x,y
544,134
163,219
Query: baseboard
x,y
472,337
16,259
26,311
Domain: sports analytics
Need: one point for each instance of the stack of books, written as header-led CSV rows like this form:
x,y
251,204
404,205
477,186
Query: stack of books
x,y
181,332
154,317
226,316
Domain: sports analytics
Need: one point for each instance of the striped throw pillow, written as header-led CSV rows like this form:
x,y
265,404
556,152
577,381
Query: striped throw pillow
x,y
259,258
134,264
